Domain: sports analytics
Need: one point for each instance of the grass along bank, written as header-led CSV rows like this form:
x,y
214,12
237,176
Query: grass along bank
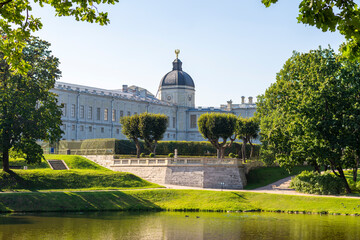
x,y
174,200
83,174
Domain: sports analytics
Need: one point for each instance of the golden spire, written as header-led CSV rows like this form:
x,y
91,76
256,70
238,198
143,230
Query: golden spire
x,y
177,51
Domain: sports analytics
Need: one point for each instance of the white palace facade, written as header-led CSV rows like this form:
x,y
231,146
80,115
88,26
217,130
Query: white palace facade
x,y
95,113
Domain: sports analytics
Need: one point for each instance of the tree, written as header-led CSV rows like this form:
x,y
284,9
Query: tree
x,y
332,15
218,128
17,23
152,128
246,130
29,111
130,128
311,113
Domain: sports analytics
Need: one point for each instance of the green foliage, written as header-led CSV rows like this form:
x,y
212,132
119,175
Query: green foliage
x,y
151,155
262,176
142,155
231,155
149,127
218,128
152,128
315,183
29,111
247,129
311,112
17,23
331,16
69,179
170,155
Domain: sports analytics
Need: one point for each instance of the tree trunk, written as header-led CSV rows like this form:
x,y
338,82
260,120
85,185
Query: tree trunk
x,y
218,153
317,168
137,144
251,149
222,152
355,169
154,149
243,150
342,176
5,159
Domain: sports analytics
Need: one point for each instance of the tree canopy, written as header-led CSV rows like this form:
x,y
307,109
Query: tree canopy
x,y
130,128
152,128
312,112
218,128
332,15
29,111
246,130
149,127
17,23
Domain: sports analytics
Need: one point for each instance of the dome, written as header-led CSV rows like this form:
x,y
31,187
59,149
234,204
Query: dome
x,y
177,77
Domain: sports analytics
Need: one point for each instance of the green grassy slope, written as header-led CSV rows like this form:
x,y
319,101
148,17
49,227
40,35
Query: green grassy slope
x,y
44,179
263,176
186,200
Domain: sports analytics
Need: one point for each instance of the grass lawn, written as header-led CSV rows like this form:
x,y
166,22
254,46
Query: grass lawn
x,y
83,174
175,200
263,176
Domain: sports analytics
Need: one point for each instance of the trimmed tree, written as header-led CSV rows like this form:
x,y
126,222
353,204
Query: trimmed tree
x,y
218,128
130,128
152,128
246,130
29,111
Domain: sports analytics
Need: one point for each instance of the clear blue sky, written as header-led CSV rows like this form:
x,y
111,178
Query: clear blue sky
x,y
231,48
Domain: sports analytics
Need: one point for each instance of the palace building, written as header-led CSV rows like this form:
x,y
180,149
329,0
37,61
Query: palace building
x,y
95,113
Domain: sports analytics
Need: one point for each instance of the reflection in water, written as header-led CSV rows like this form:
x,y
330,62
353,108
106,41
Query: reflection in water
x,y
174,225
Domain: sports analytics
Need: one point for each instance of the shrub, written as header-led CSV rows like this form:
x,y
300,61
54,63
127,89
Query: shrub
x,y
315,183
142,154
237,156
231,155
171,155
151,155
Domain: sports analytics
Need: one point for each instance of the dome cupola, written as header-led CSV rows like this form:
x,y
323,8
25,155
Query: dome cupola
x,y
177,86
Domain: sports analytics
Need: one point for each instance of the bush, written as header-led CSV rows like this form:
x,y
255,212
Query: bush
x,y
151,155
231,155
171,155
142,154
315,183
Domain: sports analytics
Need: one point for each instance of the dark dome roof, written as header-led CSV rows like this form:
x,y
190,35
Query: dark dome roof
x,y
177,76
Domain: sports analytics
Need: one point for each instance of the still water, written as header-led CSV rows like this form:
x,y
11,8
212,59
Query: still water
x,y
177,225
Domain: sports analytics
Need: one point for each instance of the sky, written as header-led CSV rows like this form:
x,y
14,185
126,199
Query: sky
x,y
230,48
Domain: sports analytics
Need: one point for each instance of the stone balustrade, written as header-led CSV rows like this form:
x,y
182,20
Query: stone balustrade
x,y
174,161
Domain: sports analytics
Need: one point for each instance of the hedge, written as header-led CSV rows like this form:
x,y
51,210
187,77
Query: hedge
x,y
127,147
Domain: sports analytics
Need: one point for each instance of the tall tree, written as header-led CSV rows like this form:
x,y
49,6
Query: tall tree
x,y
218,128
332,15
152,128
246,130
29,111
17,23
130,128
311,112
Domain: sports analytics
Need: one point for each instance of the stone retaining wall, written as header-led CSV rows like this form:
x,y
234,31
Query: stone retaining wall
x,y
203,172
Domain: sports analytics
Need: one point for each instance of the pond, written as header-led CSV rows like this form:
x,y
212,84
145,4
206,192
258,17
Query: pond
x,y
177,225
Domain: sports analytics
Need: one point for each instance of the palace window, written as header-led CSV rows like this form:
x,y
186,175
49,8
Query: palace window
x,y
129,114
64,109
81,128
90,113
90,128
73,127
106,114
174,122
192,121
113,118
98,113
121,113
102,130
82,111
72,110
